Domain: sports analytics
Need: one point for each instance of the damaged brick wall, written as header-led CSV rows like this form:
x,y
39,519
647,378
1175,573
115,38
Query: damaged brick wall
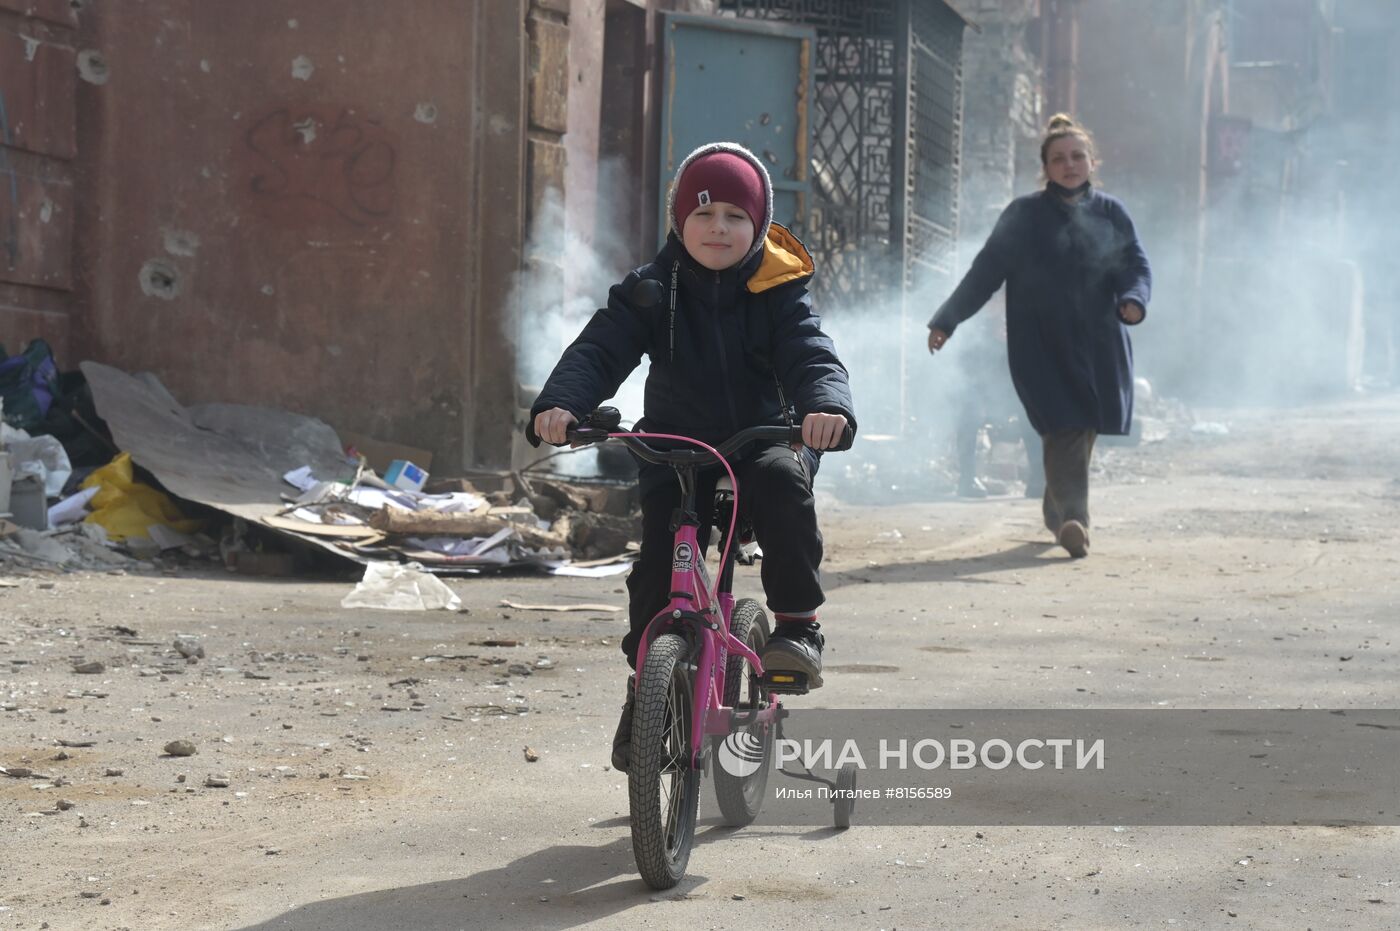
x,y
310,206
548,30
39,68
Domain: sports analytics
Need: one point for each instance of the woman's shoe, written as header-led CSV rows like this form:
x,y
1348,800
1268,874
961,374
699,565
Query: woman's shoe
x,y
1074,537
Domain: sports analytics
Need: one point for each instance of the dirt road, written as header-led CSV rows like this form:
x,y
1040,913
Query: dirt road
x,y
376,768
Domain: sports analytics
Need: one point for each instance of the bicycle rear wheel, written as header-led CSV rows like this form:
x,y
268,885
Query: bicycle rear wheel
x,y
663,788
748,753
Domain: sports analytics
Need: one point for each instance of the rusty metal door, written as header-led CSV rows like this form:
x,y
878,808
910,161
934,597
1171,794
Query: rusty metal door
x,y
740,81
38,144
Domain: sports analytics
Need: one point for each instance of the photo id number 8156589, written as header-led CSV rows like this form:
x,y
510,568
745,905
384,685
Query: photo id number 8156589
x,y
927,792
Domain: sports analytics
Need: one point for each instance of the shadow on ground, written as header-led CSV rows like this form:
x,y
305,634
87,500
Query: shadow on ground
x,y
555,888
1027,555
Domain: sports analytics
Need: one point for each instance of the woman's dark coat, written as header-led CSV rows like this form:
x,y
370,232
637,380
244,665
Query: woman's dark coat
x,y
1067,268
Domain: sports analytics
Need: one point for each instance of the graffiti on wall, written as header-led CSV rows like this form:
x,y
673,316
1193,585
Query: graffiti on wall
x,y
344,164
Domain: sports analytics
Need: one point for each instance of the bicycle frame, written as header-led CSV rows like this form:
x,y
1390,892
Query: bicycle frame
x,y
703,609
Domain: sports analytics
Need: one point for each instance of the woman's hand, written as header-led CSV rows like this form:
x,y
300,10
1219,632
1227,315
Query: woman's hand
x,y
823,431
1131,312
936,339
553,425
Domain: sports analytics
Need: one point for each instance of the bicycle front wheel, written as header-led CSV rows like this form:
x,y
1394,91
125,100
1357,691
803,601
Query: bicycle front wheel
x,y
663,788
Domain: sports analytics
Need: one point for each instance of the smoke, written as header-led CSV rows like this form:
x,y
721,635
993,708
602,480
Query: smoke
x,y
571,261
1279,314
1278,288
908,403
912,405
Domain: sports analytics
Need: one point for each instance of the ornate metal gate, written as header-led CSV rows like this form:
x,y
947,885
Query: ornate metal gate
x,y
886,138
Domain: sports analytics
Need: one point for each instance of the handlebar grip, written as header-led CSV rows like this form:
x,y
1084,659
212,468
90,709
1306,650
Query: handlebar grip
x,y
585,433
593,429
848,439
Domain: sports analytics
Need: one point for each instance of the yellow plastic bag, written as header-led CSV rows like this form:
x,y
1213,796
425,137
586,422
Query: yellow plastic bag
x,y
126,508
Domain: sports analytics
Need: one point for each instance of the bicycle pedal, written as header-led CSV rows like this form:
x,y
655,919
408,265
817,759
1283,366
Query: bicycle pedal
x,y
785,682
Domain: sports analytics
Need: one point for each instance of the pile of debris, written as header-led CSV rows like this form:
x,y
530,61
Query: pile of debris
x,y
454,525
262,489
291,475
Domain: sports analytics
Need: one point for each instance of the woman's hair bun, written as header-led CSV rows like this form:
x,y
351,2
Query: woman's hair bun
x,y
1061,122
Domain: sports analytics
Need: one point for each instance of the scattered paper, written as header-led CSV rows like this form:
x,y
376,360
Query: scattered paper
x,y
43,456
301,479
559,608
335,517
458,546
591,572
456,502
321,491
496,539
396,587
70,509
376,498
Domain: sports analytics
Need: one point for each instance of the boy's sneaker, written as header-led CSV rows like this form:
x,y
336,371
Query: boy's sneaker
x,y
796,646
622,740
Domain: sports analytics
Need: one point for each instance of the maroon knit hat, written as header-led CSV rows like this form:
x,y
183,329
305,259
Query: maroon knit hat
x,y
720,176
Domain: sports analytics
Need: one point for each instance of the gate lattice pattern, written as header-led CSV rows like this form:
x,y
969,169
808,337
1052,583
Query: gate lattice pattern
x,y
879,216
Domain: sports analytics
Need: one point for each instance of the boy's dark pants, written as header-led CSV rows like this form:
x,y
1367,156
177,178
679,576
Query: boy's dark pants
x,y
775,491
1067,454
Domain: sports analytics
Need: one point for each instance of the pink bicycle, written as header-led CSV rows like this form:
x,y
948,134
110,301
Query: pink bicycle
x,y
698,669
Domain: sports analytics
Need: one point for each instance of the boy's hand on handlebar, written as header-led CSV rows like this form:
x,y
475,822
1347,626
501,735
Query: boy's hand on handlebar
x,y
553,425
823,431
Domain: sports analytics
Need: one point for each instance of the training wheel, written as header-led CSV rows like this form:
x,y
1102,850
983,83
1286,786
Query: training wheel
x,y
845,800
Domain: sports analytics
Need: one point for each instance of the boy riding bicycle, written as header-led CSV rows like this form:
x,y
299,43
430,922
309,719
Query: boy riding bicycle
x,y
724,314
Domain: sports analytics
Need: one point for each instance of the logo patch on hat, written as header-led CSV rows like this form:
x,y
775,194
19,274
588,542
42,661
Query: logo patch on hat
x,y
704,198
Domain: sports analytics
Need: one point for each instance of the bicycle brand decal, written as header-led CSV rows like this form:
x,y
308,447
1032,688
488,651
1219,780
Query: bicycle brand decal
x,y
742,754
684,558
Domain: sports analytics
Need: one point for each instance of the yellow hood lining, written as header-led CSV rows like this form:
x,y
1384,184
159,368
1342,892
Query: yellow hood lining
x,y
784,259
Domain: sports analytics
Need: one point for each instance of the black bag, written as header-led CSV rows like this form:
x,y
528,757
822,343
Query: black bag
x,y
28,384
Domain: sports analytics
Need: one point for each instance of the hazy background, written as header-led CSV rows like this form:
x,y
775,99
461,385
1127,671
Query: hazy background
x,y
1264,187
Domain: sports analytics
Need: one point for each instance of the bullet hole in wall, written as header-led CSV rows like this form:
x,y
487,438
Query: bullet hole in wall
x,y
92,67
161,279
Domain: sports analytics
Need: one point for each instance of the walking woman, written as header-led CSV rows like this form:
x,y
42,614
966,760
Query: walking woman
x,y
1076,278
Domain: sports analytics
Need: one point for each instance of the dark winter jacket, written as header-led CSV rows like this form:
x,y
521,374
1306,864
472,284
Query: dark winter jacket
x,y
743,344
1067,268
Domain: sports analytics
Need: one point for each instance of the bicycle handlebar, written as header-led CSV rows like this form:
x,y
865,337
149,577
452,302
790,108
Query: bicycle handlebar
x,y
588,432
